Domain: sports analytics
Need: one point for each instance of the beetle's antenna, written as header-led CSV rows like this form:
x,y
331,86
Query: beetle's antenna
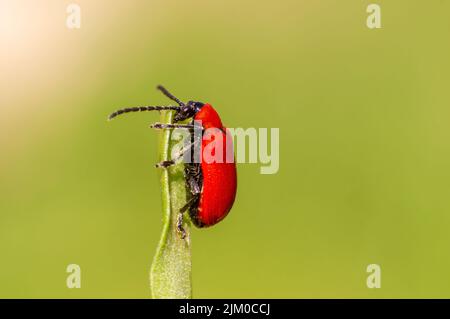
x,y
142,109
169,95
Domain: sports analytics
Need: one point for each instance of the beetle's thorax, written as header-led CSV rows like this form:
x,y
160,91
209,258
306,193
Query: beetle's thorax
x,y
208,117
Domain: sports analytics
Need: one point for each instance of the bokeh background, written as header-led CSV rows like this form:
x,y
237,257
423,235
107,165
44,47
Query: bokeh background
x,y
364,145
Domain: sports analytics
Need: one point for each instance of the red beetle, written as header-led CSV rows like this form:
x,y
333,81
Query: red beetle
x,y
212,185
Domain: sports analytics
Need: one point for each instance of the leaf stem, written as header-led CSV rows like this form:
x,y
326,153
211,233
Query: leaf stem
x,y
170,273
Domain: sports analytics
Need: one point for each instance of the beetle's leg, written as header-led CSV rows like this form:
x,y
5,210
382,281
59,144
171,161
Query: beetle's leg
x,y
194,186
180,228
165,164
194,183
170,126
193,201
194,143
193,178
180,154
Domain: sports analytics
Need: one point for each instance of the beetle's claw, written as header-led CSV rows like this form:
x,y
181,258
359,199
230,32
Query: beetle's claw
x,y
156,125
164,164
180,228
181,232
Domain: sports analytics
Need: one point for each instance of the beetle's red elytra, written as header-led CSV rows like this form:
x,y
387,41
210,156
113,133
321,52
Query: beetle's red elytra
x,y
212,185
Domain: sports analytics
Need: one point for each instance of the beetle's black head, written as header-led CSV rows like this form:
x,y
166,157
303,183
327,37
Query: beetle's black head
x,y
188,110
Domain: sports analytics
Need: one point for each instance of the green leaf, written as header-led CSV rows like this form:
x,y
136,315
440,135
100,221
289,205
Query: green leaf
x,y
170,274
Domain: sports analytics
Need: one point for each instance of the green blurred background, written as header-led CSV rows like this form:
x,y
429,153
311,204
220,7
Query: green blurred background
x,y
364,145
